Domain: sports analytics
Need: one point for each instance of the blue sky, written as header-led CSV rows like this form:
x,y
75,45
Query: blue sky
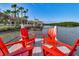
x,y
49,12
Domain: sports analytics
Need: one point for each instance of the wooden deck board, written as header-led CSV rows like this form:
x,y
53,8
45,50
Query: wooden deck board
x,y
37,49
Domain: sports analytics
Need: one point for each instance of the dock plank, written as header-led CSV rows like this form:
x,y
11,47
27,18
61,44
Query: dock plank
x,y
37,50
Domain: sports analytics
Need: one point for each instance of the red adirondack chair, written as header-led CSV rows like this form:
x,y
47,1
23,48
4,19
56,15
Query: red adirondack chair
x,y
52,47
25,35
25,45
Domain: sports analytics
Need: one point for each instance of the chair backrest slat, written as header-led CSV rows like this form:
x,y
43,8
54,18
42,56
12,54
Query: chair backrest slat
x,y
24,33
52,36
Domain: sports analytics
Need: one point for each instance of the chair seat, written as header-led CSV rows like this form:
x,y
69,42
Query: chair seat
x,y
61,48
64,49
22,51
15,47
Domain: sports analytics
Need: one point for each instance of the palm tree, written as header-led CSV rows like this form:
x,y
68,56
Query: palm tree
x,y
21,10
25,11
18,11
21,13
14,6
7,12
18,16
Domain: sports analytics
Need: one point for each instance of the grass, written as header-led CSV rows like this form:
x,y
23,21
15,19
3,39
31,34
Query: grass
x,y
5,28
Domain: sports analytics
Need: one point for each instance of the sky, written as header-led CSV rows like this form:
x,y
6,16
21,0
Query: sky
x,y
49,12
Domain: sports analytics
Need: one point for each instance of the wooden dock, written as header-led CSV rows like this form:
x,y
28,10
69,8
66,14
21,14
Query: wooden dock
x,y
37,50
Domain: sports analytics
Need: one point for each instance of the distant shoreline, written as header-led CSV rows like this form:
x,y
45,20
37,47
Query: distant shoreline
x,y
64,24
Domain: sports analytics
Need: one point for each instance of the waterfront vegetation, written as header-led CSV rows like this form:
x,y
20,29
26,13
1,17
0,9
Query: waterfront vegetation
x,y
10,19
64,24
9,28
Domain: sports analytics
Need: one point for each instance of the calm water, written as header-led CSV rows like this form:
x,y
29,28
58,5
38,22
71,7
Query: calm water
x,y
65,34
68,35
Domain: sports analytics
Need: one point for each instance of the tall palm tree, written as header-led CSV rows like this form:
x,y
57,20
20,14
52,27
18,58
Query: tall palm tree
x,y
21,10
18,11
24,12
21,13
18,16
14,6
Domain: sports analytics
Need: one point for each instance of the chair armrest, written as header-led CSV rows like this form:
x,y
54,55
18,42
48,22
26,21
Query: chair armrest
x,y
12,43
64,44
31,41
